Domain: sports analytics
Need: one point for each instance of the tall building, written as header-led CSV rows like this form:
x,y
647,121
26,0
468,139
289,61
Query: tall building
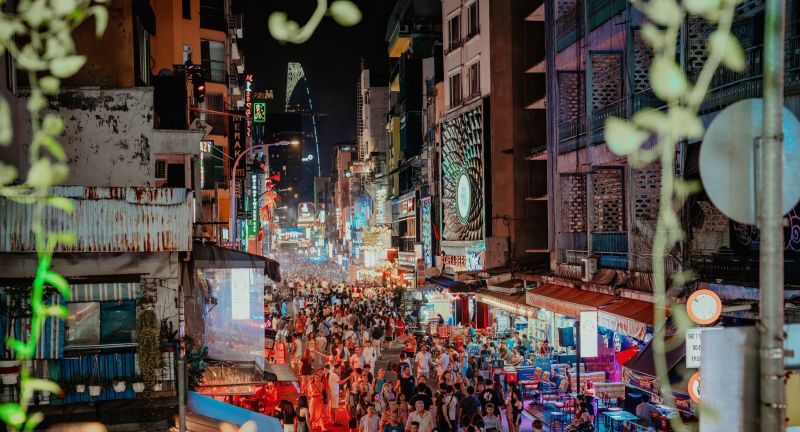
x,y
202,36
298,100
491,197
343,154
413,33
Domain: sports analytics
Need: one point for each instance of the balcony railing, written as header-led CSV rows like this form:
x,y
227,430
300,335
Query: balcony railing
x,y
599,117
569,131
216,71
568,27
601,11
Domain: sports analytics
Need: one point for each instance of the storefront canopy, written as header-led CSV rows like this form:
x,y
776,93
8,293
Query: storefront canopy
x,y
565,300
515,303
207,255
628,316
205,413
453,285
640,371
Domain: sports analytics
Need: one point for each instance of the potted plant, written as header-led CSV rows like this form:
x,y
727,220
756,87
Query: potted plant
x,y
137,383
9,371
80,383
95,386
119,384
148,347
158,386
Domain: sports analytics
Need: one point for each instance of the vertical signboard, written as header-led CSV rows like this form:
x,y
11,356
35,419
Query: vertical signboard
x,y
248,102
237,142
588,335
426,226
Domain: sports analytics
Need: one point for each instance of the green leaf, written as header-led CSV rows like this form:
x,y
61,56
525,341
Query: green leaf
x,y
653,36
665,12
277,26
345,13
63,7
57,311
49,85
36,13
65,237
57,281
21,348
33,421
12,414
28,59
40,174
36,101
67,66
100,14
650,119
6,126
10,26
685,123
37,384
52,124
53,146
667,79
728,46
61,203
8,174
623,138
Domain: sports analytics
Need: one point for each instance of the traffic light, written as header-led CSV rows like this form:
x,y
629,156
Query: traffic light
x,y
199,86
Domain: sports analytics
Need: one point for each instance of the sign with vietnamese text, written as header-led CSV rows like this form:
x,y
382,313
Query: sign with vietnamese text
x,y
426,226
694,347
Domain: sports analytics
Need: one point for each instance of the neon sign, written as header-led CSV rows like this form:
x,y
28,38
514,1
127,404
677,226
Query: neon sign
x,y
248,102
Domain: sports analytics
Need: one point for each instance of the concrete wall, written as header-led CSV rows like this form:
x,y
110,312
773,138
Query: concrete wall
x,y
108,137
477,48
374,114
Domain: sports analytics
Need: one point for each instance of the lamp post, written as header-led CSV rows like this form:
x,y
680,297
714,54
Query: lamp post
x,y
233,180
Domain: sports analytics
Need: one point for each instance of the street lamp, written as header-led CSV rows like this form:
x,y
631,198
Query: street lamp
x,y
233,179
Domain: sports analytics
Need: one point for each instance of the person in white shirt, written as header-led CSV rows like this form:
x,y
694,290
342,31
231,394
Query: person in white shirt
x,y
333,393
423,361
421,416
357,360
444,362
370,421
369,356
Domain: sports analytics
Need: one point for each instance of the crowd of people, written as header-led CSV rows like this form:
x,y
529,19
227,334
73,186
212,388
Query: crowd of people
x,y
336,335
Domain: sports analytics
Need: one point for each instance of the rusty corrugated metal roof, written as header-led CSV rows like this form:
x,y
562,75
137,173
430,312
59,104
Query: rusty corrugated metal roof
x,y
106,219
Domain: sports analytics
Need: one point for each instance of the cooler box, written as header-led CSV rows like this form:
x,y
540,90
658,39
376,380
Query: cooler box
x,y
511,374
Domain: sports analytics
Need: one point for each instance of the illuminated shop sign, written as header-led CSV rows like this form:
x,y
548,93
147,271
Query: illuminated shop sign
x,y
259,112
248,101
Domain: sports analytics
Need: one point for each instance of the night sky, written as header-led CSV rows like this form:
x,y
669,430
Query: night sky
x,y
331,60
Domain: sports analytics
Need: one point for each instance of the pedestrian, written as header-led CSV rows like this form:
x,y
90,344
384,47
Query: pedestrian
x,y
334,382
302,414
370,421
306,369
491,421
316,403
470,405
423,361
394,424
353,409
288,417
421,416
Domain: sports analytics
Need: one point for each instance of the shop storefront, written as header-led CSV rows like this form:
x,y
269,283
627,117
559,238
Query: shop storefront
x,y
507,312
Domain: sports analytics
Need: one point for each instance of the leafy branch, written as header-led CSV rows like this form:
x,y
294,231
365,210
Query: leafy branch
x,y
679,122
38,36
344,12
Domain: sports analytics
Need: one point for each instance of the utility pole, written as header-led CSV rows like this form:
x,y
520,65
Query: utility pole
x,y
770,223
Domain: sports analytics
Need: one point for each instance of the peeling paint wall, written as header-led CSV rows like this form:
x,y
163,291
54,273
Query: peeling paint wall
x,y
109,136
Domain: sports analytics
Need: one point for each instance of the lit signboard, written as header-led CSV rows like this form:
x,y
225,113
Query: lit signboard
x,y
259,112
248,102
360,167
306,213
254,197
426,225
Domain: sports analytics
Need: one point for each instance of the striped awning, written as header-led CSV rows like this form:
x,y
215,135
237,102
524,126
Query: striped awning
x,y
51,341
107,291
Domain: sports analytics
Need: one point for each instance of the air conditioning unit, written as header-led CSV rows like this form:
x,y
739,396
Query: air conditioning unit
x,y
589,268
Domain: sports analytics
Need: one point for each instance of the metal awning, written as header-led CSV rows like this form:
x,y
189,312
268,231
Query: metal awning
x,y
207,255
279,373
565,300
203,411
628,316
515,303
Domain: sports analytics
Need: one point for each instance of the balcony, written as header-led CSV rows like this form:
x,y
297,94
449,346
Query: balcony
x,y
601,11
399,40
612,248
568,133
568,27
215,71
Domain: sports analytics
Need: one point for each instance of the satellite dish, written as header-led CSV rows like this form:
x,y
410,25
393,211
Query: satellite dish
x,y
432,272
728,155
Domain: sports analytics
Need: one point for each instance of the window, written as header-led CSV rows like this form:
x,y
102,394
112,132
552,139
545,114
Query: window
x,y
475,79
473,20
212,54
187,9
100,323
161,169
187,53
212,15
454,32
455,89
215,102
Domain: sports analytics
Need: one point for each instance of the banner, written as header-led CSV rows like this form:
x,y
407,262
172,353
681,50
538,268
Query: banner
x,y
588,333
237,143
426,227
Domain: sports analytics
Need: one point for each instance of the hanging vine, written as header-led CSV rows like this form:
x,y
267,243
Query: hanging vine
x,y
38,37
680,121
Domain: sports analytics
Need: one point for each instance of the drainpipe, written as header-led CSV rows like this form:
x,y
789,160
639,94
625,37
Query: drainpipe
x,y
181,391
770,222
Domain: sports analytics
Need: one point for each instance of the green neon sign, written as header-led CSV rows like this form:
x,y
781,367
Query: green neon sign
x,y
259,112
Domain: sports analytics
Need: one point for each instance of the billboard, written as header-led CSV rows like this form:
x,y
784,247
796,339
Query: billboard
x,y
306,213
426,227
237,143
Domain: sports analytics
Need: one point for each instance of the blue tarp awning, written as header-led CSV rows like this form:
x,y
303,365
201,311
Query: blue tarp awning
x,y
213,409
